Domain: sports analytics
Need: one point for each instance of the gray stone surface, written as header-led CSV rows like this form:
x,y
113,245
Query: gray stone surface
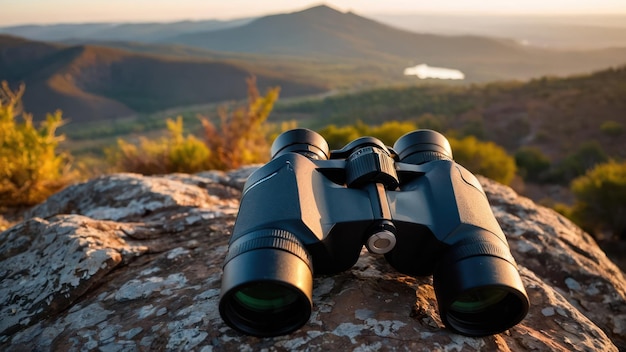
x,y
131,263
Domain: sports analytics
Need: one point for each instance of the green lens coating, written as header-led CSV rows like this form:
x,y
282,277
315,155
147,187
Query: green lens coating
x,y
266,297
478,300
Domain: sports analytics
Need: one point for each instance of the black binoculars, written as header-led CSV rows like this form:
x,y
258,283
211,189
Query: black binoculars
x,y
311,210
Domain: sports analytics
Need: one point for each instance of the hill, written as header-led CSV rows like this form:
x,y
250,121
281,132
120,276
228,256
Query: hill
x,y
557,115
93,83
322,32
144,32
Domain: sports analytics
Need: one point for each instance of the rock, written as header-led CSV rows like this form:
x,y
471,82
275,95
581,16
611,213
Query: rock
x,y
125,262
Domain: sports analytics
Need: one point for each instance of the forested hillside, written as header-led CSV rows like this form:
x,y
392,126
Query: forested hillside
x,y
557,115
94,83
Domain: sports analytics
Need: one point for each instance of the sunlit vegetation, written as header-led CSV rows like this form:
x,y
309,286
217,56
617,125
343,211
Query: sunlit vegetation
x,y
172,153
601,199
240,138
31,167
388,132
485,158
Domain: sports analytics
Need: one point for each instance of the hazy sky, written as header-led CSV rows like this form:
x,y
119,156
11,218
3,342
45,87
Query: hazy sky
x,y
14,12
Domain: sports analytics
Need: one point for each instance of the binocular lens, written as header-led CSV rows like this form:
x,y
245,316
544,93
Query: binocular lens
x,y
480,295
478,300
485,311
267,284
265,298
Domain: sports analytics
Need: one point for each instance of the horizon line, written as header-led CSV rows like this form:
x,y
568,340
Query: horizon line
x,y
363,14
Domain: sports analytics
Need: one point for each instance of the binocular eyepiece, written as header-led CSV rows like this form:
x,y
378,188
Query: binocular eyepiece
x,y
311,210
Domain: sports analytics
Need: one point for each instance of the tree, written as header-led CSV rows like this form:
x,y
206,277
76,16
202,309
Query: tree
x,y
31,167
601,199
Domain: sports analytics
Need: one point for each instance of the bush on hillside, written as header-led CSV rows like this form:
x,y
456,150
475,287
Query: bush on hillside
x,y
484,158
388,132
172,153
241,136
612,129
31,168
601,199
337,137
532,164
577,163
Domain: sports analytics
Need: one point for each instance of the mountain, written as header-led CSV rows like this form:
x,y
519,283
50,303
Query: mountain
x,y
324,33
90,82
144,32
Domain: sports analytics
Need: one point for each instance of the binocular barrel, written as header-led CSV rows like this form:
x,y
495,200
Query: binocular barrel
x,y
311,210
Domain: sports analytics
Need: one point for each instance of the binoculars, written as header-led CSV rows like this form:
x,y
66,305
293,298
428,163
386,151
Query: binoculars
x,y
310,210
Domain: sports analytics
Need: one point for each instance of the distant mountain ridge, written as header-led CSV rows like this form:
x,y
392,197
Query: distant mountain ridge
x,y
304,52
91,83
322,32
143,32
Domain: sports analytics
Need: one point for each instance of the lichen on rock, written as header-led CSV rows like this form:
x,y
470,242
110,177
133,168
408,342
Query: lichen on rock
x,y
127,262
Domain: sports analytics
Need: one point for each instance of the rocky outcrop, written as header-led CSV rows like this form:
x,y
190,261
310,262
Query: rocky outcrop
x,y
125,262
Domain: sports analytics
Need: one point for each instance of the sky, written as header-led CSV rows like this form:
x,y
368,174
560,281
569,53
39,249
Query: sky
x,y
14,12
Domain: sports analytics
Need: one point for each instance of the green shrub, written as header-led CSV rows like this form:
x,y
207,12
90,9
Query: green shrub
x,y
612,128
337,137
484,158
601,199
172,153
240,139
531,163
31,168
579,162
388,132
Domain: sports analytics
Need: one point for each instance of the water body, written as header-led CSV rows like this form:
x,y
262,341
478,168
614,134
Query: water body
x,y
423,71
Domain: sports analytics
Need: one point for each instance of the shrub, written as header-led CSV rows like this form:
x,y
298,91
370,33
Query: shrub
x,y
532,163
484,158
172,153
580,161
31,168
241,137
337,137
388,132
601,199
612,129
